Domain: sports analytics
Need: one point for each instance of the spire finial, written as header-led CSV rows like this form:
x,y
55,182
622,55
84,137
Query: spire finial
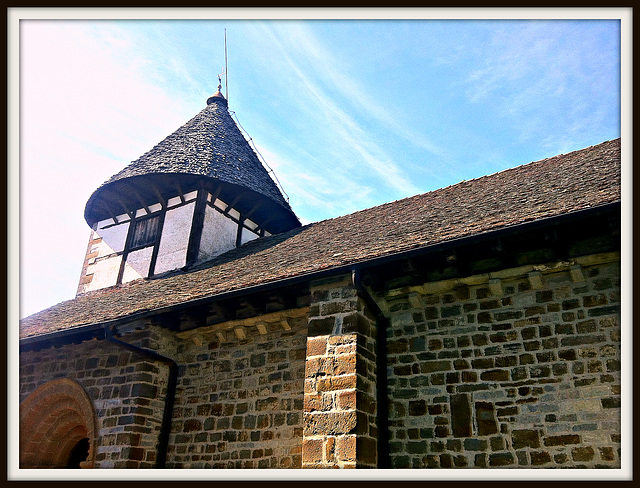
x,y
220,80
217,96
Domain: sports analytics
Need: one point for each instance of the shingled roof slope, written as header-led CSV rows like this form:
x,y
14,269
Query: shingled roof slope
x,y
210,145
562,184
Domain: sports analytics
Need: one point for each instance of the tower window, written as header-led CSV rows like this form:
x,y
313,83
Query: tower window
x,y
145,232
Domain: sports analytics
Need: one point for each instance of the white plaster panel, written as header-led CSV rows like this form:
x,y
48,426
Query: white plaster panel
x,y
174,201
191,196
104,223
156,207
137,265
113,239
218,235
247,236
171,261
172,253
105,273
220,204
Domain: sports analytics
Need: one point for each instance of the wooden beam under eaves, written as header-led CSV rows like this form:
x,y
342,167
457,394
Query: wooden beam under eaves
x,y
180,192
136,194
233,202
107,207
156,191
123,204
263,225
252,211
216,193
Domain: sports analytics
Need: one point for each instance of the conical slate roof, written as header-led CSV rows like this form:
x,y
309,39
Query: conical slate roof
x,y
208,150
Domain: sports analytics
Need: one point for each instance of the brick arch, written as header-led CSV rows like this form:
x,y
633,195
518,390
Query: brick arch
x,y
53,419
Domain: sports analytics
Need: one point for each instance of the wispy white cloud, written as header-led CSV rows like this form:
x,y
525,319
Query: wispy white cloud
x,y
317,66
316,194
535,70
300,36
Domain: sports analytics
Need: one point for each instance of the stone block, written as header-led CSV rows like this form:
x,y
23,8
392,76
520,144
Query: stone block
x,y
312,450
484,318
483,363
460,415
450,311
433,366
345,399
486,418
495,375
611,402
567,354
594,300
539,458
607,453
480,460
321,326
610,310
480,339
544,296
582,453
507,411
316,346
472,444
329,423
192,425
398,346
561,440
525,438
417,344
345,448
344,382
469,377
501,459
417,408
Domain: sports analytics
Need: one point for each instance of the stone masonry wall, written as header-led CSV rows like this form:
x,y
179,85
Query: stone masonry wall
x,y
516,372
126,390
239,402
340,426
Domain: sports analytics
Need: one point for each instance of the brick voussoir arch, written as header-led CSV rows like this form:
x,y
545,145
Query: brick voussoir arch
x,y
53,420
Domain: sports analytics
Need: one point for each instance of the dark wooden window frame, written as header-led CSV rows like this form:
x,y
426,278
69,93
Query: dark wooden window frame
x,y
154,242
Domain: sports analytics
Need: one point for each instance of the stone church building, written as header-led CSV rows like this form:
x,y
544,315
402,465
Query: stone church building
x,y
475,326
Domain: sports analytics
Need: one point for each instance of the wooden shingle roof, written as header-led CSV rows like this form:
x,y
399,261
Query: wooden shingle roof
x,y
544,189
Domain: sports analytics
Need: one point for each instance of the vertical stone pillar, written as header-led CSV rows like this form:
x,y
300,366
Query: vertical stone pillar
x,y
340,428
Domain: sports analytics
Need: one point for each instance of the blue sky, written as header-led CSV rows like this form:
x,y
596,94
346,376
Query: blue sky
x,y
349,113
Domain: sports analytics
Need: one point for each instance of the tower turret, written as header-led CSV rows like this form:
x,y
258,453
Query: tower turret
x,y
200,192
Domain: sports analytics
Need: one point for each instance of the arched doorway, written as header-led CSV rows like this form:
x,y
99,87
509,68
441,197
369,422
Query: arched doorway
x,y
57,427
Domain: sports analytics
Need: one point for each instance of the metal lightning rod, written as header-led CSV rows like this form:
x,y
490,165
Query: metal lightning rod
x,y
226,68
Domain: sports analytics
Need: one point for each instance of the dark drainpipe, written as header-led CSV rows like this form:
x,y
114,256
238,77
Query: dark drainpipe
x,y
382,400
165,427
